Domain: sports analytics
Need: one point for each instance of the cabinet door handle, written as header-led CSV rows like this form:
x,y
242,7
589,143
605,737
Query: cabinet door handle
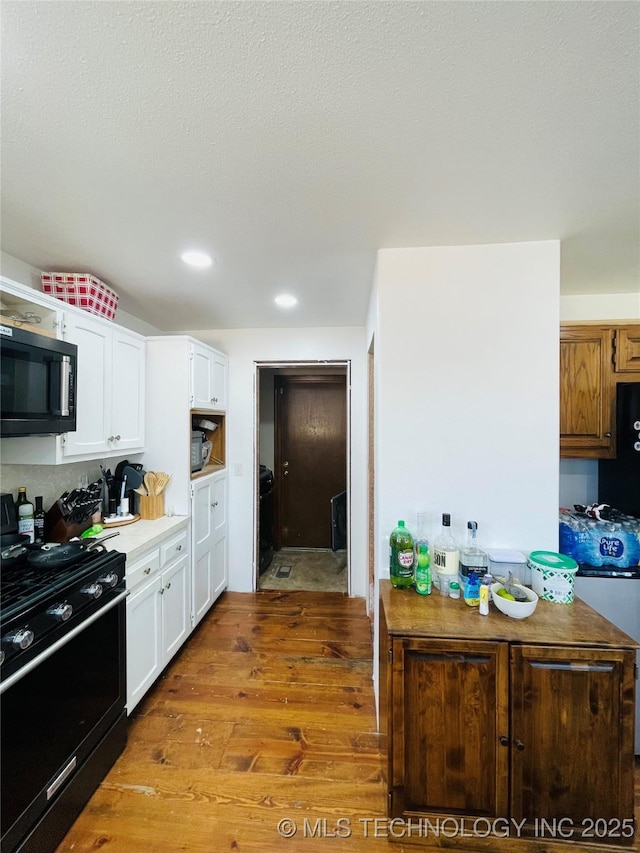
x,y
179,548
162,591
607,435
504,740
117,438
147,570
168,586
214,504
111,437
519,745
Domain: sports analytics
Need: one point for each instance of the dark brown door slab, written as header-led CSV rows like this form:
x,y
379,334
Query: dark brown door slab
x,y
311,456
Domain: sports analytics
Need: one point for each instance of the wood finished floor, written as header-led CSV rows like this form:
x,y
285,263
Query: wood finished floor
x,y
266,714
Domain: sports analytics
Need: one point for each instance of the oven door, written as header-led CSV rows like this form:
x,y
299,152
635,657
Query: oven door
x,y
37,384
54,719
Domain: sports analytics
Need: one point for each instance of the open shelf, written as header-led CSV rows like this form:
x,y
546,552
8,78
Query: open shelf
x,y
217,437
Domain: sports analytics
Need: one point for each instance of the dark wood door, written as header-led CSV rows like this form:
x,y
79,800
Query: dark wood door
x,y
572,735
311,457
450,727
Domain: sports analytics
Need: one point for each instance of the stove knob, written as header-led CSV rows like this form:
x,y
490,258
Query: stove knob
x,y
62,612
22,638
110,579
94,590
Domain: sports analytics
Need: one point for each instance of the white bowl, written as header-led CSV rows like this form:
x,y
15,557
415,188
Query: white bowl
x,y
515,609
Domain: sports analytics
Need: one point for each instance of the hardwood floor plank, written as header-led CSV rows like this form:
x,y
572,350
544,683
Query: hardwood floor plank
x,y
248,728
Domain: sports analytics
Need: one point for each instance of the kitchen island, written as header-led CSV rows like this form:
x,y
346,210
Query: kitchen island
x,y
506,734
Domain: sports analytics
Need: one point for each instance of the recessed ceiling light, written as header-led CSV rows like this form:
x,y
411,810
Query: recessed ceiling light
x,y
285,300
196,259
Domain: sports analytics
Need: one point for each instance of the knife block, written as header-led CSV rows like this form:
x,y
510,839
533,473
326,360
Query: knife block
x,y
56,529
151,506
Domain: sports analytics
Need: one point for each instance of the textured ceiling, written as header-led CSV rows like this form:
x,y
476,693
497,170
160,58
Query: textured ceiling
x,y
294,139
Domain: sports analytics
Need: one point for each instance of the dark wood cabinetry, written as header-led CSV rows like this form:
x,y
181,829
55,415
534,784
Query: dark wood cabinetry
x,y
527,721
593,359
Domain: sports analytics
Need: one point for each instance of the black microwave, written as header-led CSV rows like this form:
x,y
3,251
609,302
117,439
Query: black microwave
x,y
37,383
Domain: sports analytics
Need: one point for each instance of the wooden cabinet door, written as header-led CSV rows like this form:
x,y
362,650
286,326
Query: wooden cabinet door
x,y
572,734
587,399
628,349
449,721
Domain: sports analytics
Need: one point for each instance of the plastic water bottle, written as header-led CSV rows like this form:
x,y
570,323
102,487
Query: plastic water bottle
x,y
401,557
423,572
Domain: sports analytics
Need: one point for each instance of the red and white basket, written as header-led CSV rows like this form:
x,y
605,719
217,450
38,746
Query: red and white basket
x,y
82,290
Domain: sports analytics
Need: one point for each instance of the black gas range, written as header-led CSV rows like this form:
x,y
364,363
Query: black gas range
x,y
63,692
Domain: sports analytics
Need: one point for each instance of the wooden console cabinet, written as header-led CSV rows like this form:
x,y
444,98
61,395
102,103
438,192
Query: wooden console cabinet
x,y
530,721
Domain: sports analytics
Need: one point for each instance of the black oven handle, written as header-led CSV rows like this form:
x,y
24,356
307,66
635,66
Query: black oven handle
x,y
52,649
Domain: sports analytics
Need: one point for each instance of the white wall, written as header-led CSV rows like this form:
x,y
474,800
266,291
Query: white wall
x,y
466,354
245,347
601,306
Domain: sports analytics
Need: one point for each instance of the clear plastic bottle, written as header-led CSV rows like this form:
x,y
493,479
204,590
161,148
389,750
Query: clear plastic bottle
x,y
472,558
420,537
401,557
445,552
24,509
423,572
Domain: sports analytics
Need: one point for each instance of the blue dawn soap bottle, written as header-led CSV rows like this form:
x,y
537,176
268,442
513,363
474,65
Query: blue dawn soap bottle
x,y
472,590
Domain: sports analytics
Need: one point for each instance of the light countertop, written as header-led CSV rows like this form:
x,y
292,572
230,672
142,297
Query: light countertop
x,y
136,539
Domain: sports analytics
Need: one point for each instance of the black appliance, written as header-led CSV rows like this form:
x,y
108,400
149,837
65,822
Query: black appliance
x,y
339,521
63,692
619,478
37,385
265,532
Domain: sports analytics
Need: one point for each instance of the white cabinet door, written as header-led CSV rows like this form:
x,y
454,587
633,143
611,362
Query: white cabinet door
x,y
128,403
219,511
144,640
176,607
209,371
201,377
202,546
93,388
110,389
220,371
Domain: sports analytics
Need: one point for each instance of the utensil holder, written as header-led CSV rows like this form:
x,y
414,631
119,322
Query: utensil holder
x,y
151,506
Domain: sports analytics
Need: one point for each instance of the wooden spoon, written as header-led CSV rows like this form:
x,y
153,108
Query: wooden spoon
x,y
162,478
150,482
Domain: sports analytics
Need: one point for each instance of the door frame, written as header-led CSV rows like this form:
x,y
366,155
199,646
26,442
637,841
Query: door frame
x,y
298,368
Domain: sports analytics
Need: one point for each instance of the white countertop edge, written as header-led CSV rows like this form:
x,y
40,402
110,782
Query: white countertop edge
x,y
135,540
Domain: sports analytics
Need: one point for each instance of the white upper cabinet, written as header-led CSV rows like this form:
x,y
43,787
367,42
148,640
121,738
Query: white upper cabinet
x,y
208,378
110,385
110,393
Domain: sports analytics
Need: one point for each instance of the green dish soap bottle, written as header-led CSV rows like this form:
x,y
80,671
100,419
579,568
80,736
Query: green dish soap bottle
x,y
423,571
401,557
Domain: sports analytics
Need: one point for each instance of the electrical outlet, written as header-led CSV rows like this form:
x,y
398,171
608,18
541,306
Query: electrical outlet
x,y
237,469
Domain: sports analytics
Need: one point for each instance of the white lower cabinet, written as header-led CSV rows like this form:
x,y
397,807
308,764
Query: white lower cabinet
x,y
209,541
158,612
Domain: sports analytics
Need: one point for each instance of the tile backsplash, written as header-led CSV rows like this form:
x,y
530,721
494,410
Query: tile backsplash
x,y
51,481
